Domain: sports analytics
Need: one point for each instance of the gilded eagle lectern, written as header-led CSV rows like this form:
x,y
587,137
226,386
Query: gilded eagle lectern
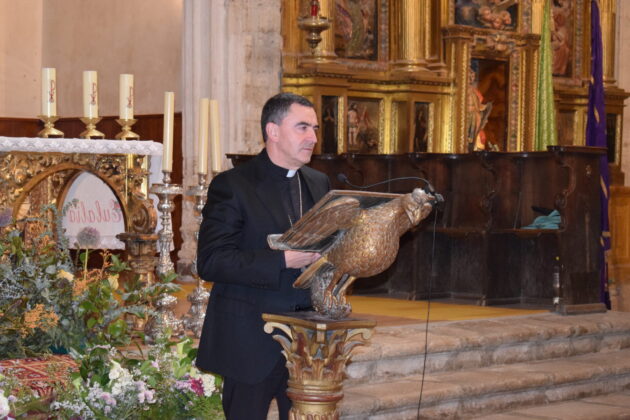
x,y
358,234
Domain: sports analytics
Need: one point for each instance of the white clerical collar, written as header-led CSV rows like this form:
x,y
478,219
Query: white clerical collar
x,y
291,173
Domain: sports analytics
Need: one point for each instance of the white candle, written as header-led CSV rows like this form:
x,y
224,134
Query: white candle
x,y
202,150
167,142
90,94
214,136
125,97
49,92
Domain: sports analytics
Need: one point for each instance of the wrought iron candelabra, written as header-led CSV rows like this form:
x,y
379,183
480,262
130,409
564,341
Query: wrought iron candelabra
x,y
198,298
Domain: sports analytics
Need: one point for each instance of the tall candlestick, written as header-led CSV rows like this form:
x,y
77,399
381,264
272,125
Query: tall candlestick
x,y
202,155
49,92
126,97
167,143
214,135
90,94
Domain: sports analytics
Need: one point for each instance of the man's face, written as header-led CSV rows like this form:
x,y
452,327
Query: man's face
x,y
290,144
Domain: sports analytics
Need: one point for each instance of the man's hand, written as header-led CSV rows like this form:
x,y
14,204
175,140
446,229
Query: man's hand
x,y
297,259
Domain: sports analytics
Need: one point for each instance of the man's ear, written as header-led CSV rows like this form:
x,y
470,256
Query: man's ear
x,y
272,131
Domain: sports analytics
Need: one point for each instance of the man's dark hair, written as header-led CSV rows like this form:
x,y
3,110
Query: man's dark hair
x,y
277,106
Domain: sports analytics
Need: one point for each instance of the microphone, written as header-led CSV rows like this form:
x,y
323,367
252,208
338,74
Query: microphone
x,y
438,197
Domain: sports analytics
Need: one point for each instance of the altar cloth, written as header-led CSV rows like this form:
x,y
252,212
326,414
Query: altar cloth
x,y
91,146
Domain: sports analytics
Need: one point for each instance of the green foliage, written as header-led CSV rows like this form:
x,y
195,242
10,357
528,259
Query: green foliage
x,y
48,301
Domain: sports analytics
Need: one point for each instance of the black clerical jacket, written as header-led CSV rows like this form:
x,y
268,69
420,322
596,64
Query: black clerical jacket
x,y
245,204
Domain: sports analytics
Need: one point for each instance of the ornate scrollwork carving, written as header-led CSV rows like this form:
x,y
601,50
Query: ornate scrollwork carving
x,y
23,171
317,353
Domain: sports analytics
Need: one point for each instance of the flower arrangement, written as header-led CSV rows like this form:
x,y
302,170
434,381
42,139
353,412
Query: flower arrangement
x,y
163,384
45,301
49,302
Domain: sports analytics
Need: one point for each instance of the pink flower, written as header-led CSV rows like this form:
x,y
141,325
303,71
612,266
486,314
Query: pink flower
x,y
196,385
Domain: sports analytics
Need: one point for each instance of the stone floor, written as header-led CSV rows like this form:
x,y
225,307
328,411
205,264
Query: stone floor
x,y
611,406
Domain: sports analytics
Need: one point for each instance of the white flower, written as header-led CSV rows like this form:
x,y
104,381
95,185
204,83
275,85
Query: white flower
x,y
207,379
113,281
5,409
116,371
63,274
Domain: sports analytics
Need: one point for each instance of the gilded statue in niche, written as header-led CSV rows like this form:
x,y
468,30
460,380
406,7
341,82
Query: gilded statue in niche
x,y
356,27
488,104
562,38
489,14
363,125
477,112
330,123
421,127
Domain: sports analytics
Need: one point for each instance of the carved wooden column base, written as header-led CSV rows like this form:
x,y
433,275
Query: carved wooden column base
x,y
317,351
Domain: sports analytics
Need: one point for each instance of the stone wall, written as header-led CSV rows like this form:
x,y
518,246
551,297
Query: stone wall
x,y
232,53
142,37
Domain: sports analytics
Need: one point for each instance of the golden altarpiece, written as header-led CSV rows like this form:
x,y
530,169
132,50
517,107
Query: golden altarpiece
x,y
397,76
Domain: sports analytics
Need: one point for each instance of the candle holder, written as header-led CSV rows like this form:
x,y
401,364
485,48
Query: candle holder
x,y
165,318
198,298
126,133
90,128
314,25
49,126
166,192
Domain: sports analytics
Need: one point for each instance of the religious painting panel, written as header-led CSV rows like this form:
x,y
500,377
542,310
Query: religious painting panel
x,y
563,37
400,126
421,121
356,29
364,125
566,127
487,104
330,123
487,14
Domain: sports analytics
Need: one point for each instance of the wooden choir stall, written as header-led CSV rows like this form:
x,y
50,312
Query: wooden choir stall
x,y
483,250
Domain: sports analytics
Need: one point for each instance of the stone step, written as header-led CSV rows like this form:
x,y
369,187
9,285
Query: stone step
x,y
603,407
398,351
483,391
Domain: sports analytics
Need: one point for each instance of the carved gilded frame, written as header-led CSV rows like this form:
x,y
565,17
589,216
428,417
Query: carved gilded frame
x,y
126,175
521,52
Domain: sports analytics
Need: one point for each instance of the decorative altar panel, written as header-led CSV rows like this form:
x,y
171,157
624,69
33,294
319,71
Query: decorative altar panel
x,y
401,76
113,176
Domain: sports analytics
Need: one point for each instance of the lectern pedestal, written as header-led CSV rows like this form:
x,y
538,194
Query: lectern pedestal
x,y
317,351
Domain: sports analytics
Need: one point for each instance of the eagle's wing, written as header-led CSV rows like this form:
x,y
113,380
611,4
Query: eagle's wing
x,y
319,227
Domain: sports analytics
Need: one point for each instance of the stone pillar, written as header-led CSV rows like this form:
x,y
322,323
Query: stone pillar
x,y
232,53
